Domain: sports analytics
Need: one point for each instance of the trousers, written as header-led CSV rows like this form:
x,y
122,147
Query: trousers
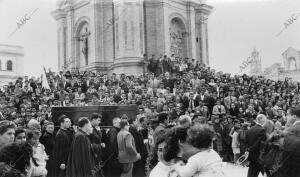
x,y
127,169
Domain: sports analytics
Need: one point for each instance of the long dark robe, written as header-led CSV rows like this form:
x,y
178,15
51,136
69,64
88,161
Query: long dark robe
x,y
61,148
81,162
47,139
139,166
112,167
96,140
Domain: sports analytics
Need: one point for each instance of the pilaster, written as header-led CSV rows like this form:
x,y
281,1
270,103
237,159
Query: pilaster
x,y
60,17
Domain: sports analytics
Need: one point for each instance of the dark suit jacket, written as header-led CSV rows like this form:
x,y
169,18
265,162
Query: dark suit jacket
x,y
139,141
254,136
61,149
186,103
209,102
112,167
291,156
198,97
139,166
96,140
81,157
84,86
47,140
169,83
112,142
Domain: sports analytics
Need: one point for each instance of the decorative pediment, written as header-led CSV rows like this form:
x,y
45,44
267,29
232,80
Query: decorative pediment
x,y
290,50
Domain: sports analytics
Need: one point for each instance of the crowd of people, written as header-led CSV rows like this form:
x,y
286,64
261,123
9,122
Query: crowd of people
x,y
190,120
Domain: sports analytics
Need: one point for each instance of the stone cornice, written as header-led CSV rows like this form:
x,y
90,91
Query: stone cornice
x,y
80,4
11,53
110,66
62,11
58,14
178,2
11,50
204,8
124,64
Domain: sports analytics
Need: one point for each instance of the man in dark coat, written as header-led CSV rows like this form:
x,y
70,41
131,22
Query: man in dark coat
x,y
139,166
113,167
189,102
96,137
254,138
168,82
161,128
209,101
81,162
47,139
62,143
291,144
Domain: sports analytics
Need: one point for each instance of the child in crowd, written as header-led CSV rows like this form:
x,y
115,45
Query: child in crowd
x,y
39,155
235,142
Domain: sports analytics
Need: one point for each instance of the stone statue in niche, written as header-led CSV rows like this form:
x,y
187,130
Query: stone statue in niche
x,y
176,43
85,41
292,64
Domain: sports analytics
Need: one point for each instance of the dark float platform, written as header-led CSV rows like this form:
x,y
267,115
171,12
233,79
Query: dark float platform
x,y
108,112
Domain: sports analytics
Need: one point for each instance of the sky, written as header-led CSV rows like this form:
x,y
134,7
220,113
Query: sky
x,y
235,28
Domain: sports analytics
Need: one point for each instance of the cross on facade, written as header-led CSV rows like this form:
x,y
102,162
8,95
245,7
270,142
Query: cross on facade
x,y
84,39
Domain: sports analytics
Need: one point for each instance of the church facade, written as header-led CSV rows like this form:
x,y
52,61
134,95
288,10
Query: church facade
x,y
290,68
113,35
11,63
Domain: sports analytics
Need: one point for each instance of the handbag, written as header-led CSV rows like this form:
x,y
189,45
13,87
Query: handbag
x,y
243,160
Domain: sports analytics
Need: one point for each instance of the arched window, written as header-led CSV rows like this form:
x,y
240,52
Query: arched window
x,y
292,63
9,65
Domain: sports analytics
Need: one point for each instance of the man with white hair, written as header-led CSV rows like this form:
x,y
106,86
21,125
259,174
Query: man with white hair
x,y
254,138
185,121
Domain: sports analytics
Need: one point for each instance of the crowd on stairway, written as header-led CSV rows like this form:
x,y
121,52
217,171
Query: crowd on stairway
x,y
190,120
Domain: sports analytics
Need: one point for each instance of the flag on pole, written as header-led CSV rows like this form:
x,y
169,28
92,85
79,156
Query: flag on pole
x,y
45,83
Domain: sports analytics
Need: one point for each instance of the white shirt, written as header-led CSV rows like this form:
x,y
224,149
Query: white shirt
x,y
161,170
207,163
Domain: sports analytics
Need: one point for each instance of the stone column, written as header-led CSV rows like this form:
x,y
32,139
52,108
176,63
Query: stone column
x,y
203,38
202,13
109,21
129,37
99,37
60,17
206,44
70,38
191,29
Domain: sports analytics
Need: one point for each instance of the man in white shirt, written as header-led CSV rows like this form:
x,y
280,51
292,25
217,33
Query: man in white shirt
x,y
79,94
